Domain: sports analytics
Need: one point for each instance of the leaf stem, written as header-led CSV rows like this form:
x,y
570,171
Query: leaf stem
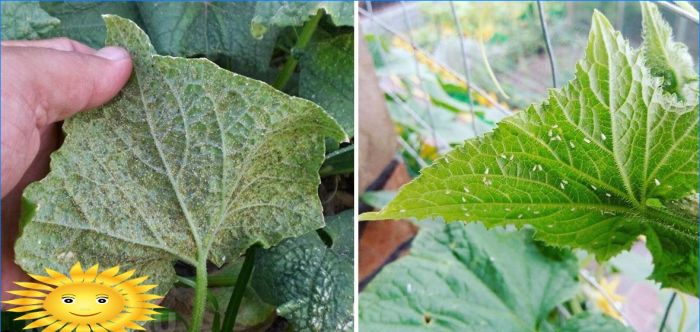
x,y
671,220
291,64
238,290
200,295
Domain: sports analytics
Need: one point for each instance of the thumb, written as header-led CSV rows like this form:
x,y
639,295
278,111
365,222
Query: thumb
x,y
56,84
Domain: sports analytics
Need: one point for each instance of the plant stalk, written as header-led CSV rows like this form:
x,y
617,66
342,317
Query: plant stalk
x,y
238,290
200,295
291,64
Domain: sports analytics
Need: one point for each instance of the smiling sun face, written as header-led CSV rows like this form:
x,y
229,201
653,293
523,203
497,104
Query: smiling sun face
x,y
85,301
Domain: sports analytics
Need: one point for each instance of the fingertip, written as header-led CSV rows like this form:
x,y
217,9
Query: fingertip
x,y
114,75
113,53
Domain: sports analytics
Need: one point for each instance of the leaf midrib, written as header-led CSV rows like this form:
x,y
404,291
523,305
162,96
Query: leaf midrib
x,y
188,217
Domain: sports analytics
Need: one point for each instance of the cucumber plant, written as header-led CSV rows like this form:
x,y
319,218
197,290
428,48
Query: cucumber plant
x,y
611,156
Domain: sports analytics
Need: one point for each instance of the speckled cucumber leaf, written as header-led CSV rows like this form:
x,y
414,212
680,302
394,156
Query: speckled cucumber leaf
x,y
593,322
461,277
590,167
83,21
311,284
327,78
210,29
25,20
189,162
281,14
665,57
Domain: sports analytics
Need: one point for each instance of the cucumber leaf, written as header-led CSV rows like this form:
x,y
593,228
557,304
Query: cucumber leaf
x,y
25,20
584,167
665,57
327,78
83,21
282,14
189,162
461,277
310,283
593,322
210,28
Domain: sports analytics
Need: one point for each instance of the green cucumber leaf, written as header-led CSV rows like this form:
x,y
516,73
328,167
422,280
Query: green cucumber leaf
x,y
83,21
311,284
461,277
593,322
189,162
25,20
581,166
210,28
665,57
282,14
326,78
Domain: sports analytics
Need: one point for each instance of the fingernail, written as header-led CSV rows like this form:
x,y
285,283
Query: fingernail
x,y
112,53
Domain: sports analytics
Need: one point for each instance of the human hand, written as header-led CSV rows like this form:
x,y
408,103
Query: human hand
x,y
44,82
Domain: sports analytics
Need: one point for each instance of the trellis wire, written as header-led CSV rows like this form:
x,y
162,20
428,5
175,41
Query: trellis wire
x,y
412,152
442,66
396,99
548,43
465,65
428,103
408,110
667,311
678,10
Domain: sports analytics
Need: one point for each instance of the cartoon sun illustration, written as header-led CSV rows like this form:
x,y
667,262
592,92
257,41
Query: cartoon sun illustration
x,y
85,301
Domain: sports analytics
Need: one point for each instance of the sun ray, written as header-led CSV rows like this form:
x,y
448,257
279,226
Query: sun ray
x,y
24,308
41,322
27,293
91,273
33,285
83,328
69,327
134,326
124,276
108,273
33,315
144,288
23,301
147,305
98,328
46,280
60,278
54,327
85,300
135,281
76,273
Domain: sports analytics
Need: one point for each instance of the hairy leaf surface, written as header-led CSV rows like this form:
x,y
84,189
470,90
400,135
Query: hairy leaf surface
x,y
209,28
584,167
665,57
327,78
25,20
83,21
465,278
283,14
189,162
311,284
